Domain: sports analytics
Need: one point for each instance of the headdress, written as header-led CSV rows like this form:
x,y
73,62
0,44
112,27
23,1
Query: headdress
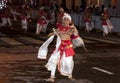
x,y
67,16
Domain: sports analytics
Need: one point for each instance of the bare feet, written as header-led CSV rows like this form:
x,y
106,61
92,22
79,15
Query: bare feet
x,y
85,49
72,79
50,79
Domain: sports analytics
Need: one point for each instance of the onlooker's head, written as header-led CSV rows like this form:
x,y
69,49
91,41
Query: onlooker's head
x,y
61,10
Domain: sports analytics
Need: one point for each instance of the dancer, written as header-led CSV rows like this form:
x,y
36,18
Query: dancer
x,y
24,21
62,56
87,18
42,23
5,17
106,23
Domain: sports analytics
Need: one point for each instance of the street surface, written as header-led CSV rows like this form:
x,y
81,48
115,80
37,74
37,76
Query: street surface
x,y
19,62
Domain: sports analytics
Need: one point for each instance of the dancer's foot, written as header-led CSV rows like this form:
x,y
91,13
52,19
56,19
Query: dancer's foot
x,y
72,79
50,79
85,49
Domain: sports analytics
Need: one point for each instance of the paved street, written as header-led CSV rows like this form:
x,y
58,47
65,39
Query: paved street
x,y
19,63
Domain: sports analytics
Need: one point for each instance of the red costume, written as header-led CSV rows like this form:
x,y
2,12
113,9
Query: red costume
x,y
41,21
23,17
105,16
66,45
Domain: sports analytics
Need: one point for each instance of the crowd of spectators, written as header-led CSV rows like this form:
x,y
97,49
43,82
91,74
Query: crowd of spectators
x,y
97,10
33,12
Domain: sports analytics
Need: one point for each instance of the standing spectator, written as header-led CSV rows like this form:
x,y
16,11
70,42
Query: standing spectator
x,y
114,11
110,10
52,16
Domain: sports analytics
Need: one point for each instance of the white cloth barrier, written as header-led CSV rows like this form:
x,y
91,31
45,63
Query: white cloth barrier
x,y
77,20
116,24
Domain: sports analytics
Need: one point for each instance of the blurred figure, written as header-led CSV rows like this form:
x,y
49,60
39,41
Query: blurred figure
x,y
106,23
5,17
14,13
87,18
112,10
60,14
52,16
42,23
24,21
42,12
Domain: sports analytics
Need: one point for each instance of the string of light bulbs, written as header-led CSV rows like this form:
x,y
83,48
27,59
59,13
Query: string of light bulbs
x,y
3,4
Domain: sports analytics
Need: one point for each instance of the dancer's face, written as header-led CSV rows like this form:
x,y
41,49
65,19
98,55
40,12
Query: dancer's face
x,y
66,21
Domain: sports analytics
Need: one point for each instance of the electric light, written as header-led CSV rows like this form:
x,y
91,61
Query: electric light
x,y
3,4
